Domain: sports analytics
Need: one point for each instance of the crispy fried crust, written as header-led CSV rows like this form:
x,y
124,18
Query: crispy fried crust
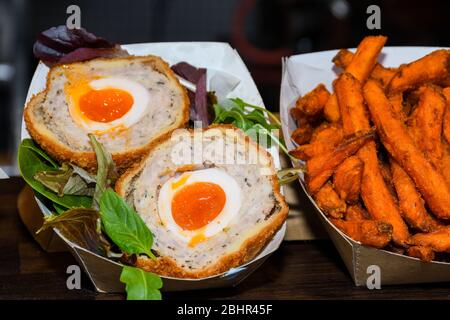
x,y
166,266
46,139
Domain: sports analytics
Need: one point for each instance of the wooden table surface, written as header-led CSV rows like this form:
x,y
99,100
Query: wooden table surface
x,y
298,270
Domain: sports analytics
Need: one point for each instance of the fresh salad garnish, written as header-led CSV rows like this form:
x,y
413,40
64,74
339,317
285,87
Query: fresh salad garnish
x,y
90,214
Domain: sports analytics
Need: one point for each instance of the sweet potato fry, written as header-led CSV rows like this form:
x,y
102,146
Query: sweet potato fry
x,y
328,200
313,102
401,147
445,164
356,213
302,134
397,103
347,179
444,83
430,68
445,161
320,168
343,58
325,131
351,104
321,142
360,66
383,75
438,241
311,150
377,197
365,57
375,193
304,130
369,232
385,170
299,117
379,73
331,109
446,122
410,201
426,254
426,122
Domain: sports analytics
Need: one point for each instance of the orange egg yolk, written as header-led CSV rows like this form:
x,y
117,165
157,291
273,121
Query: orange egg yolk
x,y
105,105
197,204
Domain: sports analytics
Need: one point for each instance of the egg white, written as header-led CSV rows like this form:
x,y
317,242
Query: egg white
x,y
213,175
141,100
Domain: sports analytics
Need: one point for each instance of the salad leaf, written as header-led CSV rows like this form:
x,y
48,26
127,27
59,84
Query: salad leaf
x,y
63,45
188,71
106,170
32,160
244,104
124,226
251,119
69,179
80,226
199,109
59,209
28,143
238,112
201,101
141,285
289,175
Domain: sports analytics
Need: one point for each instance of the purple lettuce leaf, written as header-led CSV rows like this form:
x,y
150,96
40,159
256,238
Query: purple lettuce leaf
x,y
200,110
63,45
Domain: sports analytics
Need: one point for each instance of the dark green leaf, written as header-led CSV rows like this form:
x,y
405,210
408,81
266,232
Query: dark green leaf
x,y
33,160
124,226
141,285
59,209
29,144
82,227
106,169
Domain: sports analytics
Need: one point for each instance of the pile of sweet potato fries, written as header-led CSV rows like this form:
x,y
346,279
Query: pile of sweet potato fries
x,y
377,150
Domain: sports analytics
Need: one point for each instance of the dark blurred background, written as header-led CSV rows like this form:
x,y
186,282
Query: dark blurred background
x,y
261,30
